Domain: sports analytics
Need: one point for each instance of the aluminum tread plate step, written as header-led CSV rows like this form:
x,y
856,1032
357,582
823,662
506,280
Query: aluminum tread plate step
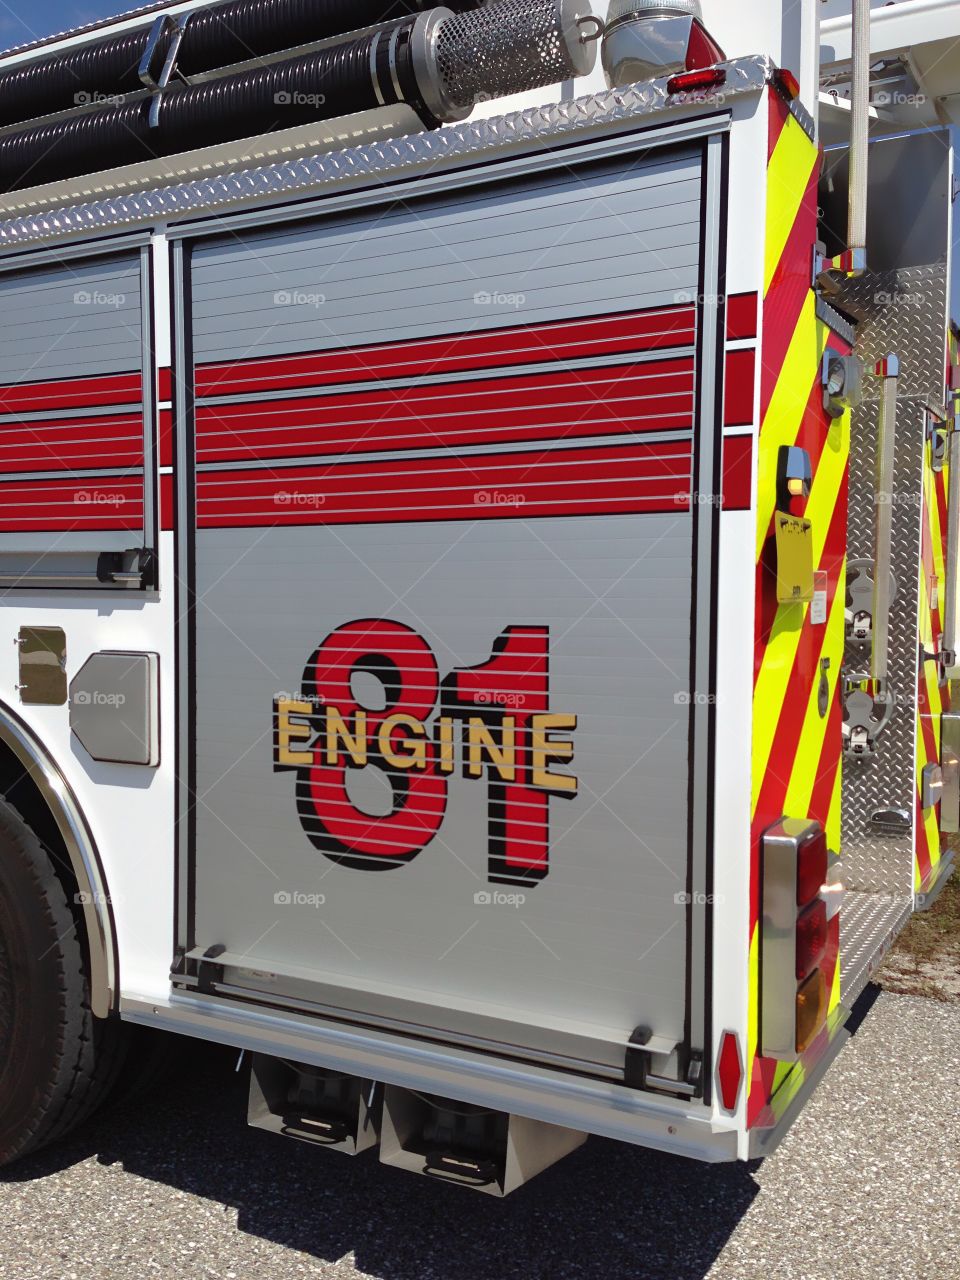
x,y
869,925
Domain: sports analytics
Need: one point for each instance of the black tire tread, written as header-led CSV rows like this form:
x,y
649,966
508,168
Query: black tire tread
x,y
89,1051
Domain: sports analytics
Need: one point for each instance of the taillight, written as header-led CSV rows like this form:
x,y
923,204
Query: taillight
x,y
813,861
796,932
811,938
811,1010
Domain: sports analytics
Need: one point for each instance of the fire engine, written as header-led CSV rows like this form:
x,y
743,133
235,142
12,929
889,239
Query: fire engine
x,y
479,560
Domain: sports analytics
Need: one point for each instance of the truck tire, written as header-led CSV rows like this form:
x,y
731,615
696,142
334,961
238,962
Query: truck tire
x,y
57,1061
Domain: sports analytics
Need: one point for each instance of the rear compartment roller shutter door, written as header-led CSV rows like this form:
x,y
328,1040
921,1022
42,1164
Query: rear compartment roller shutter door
x,y
71,419
444,459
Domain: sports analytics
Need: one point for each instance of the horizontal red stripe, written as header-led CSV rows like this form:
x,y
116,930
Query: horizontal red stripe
x,y
567,339
73,444
74,393
165,424
742,320
166,502
738,391
54,506
737,473
636,478
648,397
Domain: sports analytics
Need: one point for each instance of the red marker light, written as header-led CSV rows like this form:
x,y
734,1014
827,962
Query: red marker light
x,y
787,83
688,81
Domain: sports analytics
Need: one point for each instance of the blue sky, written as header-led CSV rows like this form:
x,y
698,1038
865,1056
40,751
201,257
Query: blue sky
x,y
24,20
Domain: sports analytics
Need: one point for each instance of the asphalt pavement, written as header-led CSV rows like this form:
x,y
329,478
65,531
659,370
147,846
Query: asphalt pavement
x,y
865,1187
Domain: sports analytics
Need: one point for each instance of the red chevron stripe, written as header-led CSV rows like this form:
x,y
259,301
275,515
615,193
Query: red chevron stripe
x,y
786,739
924,859
778,115
787,294
829,763
812,436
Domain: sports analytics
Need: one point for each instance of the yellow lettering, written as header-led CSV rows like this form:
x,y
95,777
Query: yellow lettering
x,y
339,731
415,754
501,755
289,731
447,764
543,751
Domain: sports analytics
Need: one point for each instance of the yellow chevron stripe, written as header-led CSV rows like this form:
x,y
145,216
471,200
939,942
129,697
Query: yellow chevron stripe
x,y
836,801
787,407
814,732
789,171
753,1002
781,651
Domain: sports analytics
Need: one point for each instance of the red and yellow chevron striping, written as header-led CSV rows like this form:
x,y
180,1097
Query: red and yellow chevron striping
x,y
932,697
796,750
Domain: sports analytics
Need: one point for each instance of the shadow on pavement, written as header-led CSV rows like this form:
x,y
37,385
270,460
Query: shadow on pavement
x,y
608,1210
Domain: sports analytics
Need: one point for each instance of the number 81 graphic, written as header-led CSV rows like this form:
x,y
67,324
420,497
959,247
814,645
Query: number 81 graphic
x,y
496,713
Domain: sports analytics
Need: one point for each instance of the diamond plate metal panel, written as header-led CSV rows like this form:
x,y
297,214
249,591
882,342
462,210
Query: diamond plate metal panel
x,y
903,312
869,924
386,161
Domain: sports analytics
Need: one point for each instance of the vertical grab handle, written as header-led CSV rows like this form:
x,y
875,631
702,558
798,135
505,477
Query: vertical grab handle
x,y
888,370
951,611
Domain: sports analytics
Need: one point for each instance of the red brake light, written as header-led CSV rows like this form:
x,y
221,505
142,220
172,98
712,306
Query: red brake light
x,y
812,863
687,81
811,938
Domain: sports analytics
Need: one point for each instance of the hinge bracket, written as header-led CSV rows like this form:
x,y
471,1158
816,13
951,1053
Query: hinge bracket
x,y
637,1073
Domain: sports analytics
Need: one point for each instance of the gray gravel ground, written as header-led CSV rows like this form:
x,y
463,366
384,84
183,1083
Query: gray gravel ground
x,y
864,1188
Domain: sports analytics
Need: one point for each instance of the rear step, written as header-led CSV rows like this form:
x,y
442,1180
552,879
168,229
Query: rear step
x,y
440,1138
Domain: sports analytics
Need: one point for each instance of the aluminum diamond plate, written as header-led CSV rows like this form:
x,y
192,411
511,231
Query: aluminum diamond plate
x,y
611,111
903,312
869,924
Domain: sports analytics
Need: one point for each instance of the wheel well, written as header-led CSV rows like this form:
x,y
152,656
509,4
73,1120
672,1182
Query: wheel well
x,y
20,790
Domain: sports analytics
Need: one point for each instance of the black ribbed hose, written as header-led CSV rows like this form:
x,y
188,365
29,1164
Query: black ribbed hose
x,y
331,82
217,37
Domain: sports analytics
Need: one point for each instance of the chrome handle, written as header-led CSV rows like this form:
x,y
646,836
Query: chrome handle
x,y
889,371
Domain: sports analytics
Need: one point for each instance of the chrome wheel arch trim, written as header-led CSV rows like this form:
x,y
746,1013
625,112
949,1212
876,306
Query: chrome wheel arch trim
x,y
81,850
